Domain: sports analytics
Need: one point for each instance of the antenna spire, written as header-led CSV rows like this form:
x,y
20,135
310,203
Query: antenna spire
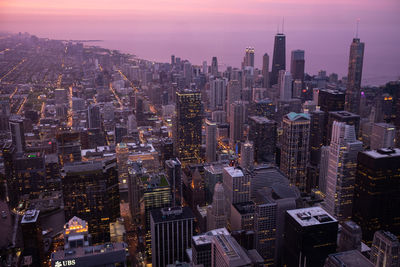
x,y
358,22
283,24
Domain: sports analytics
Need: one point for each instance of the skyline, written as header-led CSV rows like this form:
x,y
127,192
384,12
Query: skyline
x,y
199,30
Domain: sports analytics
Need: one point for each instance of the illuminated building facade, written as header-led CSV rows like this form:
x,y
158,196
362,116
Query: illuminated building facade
x,y
356,58
187,143
263,134
376,192
295,148
91,193
342,165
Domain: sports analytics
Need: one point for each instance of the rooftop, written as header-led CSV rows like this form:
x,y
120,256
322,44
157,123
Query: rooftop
x,y
234,172
351,258
206,238
293,116
311,216
30,216
88,251
172,214
260,120
383,153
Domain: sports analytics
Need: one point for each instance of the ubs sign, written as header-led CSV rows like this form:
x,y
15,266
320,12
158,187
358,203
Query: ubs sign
x,y
64,263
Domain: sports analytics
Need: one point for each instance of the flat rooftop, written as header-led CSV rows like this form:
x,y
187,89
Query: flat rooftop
x,y
206,238
383,153
311,216
234,172
351,258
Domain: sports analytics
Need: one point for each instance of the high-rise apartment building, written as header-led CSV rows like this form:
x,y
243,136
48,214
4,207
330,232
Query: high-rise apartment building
x,y
187,139
262,133
171,234
91,193
295,148
353,93
342,165
218,94
211,141
265,70
236,121
279,57
233,94
376,191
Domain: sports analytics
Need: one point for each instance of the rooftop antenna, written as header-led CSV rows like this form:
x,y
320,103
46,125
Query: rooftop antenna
x,y
277,28
283,23
358,22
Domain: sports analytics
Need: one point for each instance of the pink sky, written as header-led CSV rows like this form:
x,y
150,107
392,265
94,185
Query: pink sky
x,y
200,29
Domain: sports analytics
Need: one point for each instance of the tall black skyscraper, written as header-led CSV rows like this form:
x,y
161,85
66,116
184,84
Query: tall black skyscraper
x,y
279,57
377,192
354,76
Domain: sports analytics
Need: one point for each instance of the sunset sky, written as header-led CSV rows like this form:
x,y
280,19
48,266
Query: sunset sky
x,y
200,29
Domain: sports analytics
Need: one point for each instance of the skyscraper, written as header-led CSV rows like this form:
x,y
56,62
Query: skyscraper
x,y
376,192
342,165
263,134
94,118
233,94
265,70
173,169
216,212
342,116
285,84
188,125
171,234
295,148
354,76
383,135
248,60
91,193
385,250
214,67
279,57
297,65
217,94
236,187
211,141
236,121
18,134
310,236
247,155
